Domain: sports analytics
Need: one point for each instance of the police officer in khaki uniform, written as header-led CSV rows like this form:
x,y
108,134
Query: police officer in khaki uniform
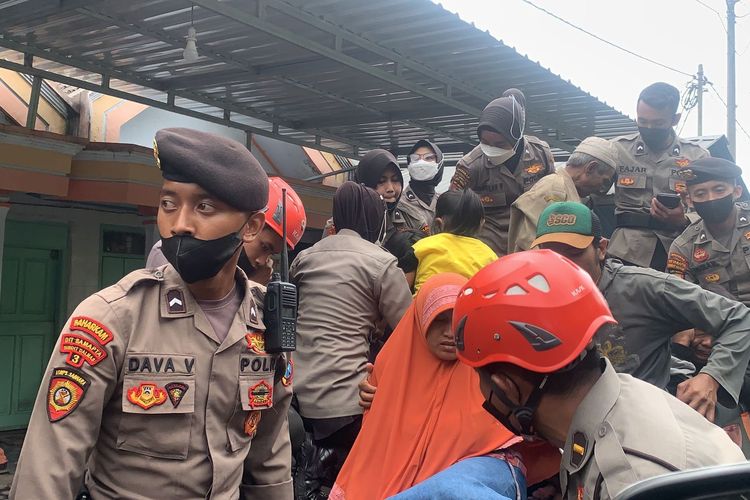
x,y
649,162
159,384
541,375
716,248
589,170
504,165
417,204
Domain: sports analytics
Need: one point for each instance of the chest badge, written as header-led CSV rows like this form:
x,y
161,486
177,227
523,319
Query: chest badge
x,y
625,181
700,255
712,278
534,169
261,395
147,395
175,301
176,391
682,162
255,342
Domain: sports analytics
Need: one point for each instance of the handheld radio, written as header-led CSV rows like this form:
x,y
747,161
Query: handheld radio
x,y
280,307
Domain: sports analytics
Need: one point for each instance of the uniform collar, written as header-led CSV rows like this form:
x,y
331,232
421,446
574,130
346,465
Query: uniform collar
x,y
609,270
589,417
704,236
409,196
674,149
176,301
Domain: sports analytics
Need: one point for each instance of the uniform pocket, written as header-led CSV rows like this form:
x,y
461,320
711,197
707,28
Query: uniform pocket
x,y
157,414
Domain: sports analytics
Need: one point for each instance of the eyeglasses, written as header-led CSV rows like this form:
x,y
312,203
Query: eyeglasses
x,y
425,157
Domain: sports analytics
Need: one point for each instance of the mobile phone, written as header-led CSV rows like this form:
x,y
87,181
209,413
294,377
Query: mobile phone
x,y
669,200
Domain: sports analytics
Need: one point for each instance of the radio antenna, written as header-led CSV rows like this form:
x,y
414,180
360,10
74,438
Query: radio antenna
x,y
284,251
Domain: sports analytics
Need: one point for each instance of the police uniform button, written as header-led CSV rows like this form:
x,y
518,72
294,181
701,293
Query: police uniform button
x,y
158,274
602,431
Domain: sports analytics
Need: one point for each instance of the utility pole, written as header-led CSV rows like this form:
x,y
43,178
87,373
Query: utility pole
x,y
731,98
700,100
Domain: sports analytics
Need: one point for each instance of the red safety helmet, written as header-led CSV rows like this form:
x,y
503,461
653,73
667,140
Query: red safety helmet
x,y
296,220
534,309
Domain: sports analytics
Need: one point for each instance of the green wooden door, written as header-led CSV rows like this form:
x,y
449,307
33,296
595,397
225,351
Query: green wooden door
x,y
29,324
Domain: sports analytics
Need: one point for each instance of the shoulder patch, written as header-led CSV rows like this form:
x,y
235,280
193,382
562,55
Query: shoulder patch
x,y
80,349
677,264
98,331
65,392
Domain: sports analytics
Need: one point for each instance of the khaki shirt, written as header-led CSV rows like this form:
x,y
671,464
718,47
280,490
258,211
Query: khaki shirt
x,y
140,392
698,257
525,211
498,187
641,175
651,306
413,213
346,286
626,430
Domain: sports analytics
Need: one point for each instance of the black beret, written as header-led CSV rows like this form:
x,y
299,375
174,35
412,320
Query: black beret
x,y
221,166
709,169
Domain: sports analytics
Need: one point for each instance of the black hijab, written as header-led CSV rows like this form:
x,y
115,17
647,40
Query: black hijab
x,y
507,116
360,209
425,190
371,168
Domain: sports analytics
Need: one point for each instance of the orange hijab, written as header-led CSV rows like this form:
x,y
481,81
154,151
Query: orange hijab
x,y
427,413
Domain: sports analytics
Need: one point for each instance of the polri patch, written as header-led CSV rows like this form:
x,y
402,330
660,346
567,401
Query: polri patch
x,y
251,422
66,391
176,391
81,349
625,181
147,395
288,374
256,342
682,162
712,278
97,330
700,254
578,449
176,301
260,395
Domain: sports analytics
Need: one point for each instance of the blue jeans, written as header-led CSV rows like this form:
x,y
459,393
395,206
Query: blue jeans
x,y
478,478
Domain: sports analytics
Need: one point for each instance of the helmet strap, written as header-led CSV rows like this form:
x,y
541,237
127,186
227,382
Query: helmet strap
x,y
523,413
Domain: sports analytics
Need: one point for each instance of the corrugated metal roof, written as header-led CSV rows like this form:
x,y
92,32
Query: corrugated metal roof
x,y
340,75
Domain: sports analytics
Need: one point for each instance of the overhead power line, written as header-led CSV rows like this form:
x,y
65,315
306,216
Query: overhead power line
x,y
721,18
725,105
619,47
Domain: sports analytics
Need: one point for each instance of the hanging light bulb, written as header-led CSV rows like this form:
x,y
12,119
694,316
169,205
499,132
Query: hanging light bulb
x,y
190,54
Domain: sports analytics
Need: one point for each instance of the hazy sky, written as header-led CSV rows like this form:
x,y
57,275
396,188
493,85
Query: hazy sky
x,y
677,33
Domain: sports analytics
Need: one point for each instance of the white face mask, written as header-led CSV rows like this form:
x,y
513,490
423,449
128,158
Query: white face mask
x,y
497,156
422,170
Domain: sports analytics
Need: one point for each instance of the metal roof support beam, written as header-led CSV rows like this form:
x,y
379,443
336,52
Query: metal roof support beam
x,y
47,75
325,25
38,10
127,76
36,90
288,36
217,56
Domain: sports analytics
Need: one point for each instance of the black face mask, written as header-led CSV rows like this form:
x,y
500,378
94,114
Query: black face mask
x,y
715,211
655,138
197,260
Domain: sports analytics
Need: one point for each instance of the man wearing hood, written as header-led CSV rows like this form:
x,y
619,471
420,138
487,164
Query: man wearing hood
x,y
504,165
417,205
648,166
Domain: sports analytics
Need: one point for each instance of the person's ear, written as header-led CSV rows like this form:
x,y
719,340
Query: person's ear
x,y
603,245
253,227
687,199
437,222
591,168
503,383
737,192
676,119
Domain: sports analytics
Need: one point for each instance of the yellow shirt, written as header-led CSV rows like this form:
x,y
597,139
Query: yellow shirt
x,y
449,253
